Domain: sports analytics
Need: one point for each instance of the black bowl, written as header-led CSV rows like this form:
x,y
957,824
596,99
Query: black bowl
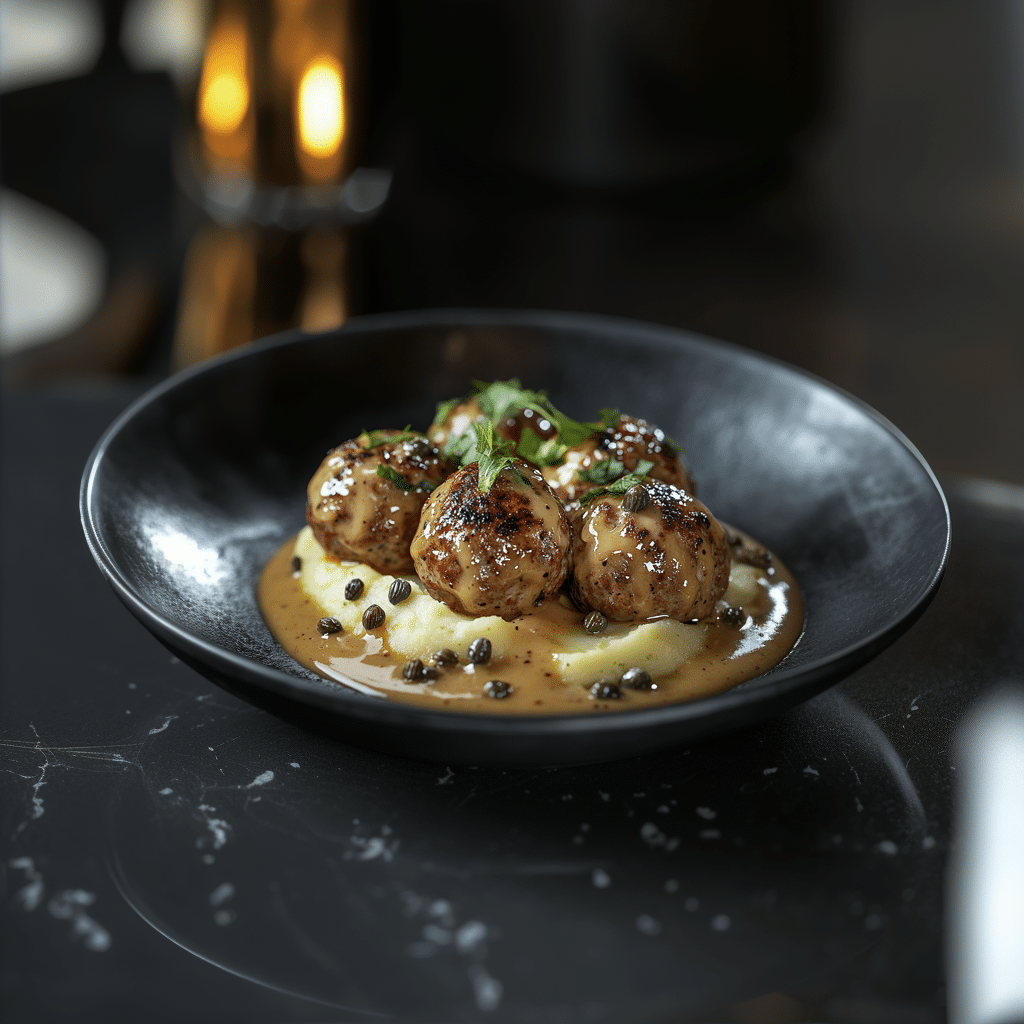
x,y
194,487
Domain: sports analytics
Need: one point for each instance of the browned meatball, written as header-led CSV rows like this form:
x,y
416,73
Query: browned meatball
x,y
668,558
497,553
629,441
360,516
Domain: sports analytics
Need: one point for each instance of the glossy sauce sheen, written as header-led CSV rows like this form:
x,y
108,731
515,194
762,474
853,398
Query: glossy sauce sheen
x,y
729,656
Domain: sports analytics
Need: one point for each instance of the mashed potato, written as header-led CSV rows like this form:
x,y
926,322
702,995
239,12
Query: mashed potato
x,y
420,625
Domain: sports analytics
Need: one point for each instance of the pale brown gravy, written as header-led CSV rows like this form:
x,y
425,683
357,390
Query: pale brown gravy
x,y
292,616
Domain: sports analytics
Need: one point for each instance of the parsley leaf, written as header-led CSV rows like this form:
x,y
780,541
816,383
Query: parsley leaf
x,y
492,454
602,471
665,439
610,418
535,449
375,438
444,410
399,481
572,432
457,446
621,485
504,398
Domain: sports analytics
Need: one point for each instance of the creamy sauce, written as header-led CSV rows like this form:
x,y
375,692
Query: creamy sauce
x,y
730,654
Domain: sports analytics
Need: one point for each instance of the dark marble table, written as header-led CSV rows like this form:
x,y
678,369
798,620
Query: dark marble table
x,y
174,854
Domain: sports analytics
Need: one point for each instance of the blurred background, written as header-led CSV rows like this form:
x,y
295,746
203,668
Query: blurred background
x,y
837,184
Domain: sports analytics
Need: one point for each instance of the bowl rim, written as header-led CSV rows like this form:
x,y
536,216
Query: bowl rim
x,y
811,677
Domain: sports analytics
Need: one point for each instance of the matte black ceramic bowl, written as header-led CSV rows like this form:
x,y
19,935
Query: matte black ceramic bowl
x,y
194,487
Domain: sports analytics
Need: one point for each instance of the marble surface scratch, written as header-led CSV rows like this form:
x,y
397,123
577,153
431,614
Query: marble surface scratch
x,y
261,780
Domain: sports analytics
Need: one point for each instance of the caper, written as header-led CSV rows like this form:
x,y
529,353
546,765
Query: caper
x,y
480,651
399,591
328,624
353,589
595,622
413,671
497,689
606,690
731,615
636,679
417,446
373,617
445,656
430,674
637,498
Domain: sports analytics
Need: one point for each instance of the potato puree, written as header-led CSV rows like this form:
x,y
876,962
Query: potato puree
x,y
548,658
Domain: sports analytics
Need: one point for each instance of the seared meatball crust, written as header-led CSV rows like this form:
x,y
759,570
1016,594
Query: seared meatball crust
x,y
669,559
361,517
498,553
629,441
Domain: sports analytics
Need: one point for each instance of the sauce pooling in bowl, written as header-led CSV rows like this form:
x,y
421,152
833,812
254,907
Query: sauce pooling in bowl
x,y
547,659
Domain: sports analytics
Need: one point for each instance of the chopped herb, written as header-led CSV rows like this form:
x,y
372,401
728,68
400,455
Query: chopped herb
x,y
602,472
674,445
643,467
619,486
610,418
535,449
457,446
400,482
571,432
375,438
492,454
504,398
444,410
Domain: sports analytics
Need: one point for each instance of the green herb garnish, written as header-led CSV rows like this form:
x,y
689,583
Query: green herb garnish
x,y
535,449
622,484
458,446
504,398
602,472
492,454
399,481
375,438
444,410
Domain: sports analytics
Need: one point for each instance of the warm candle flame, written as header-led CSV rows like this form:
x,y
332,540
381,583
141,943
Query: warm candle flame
x,y
224,88
321,108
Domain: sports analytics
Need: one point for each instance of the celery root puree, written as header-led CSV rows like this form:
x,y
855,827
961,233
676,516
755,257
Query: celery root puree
x,y
513,560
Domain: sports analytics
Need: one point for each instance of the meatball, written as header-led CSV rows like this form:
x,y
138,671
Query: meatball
x,y
359,515
670,557
497,553
628,441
